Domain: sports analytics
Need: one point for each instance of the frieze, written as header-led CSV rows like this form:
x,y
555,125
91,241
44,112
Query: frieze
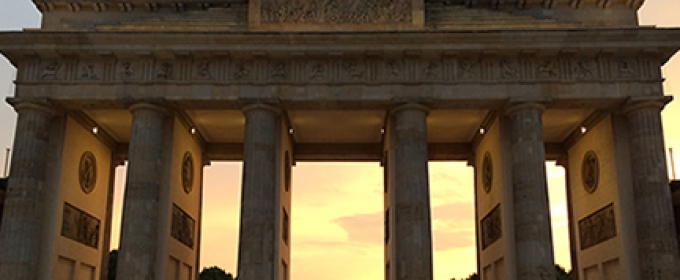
x,y
336,11
80,226
598,227
339,70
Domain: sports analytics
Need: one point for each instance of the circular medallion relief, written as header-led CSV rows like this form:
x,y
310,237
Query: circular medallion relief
x,y
487,172
188,172
87,172
590,171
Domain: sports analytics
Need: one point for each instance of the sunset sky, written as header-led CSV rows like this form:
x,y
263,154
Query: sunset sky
x,y
337,207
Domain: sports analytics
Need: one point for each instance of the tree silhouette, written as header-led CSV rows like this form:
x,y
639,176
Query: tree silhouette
x,y
113,263
215,273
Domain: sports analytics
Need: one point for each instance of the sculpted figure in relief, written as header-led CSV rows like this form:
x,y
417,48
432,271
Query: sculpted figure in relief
x,y
335,11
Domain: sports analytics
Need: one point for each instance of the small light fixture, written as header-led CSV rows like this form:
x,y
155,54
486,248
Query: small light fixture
x,y
584,130
382,131
482,131
95,130
291,131
193,131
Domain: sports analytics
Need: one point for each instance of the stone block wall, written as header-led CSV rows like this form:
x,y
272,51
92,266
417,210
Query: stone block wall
x,y
3,189
675,192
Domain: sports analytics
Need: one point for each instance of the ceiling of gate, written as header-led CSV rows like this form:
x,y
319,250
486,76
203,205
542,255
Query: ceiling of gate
x,y
343,126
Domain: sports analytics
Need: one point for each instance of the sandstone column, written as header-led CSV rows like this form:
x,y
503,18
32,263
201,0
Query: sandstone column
x,y
20,238
410,194
656,236
258,243
533,238
139,233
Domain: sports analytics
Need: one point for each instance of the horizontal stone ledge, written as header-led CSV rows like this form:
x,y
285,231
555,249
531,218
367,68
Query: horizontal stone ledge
x,y
358,152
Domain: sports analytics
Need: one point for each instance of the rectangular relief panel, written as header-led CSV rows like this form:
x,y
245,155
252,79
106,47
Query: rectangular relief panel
x,y
183,226
80,226
492,229
336,14
598,227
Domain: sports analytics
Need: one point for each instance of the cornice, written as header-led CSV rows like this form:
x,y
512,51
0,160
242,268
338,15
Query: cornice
x,y
659,42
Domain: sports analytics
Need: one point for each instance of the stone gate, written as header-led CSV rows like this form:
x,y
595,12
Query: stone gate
x,y
170,86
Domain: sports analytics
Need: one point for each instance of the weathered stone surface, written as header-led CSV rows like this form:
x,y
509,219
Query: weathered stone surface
x,y
533,238
410,193
658,248
258,242
20,238
141,209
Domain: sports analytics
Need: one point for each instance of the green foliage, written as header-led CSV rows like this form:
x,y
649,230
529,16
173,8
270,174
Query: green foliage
x,y
113,264
215,273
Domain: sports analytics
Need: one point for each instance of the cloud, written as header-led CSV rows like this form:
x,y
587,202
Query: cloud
x,y
363,228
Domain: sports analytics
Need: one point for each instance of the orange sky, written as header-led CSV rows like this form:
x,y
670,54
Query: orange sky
x,y
337,207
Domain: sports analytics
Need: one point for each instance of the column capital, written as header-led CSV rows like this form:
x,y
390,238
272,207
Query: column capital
x,y
516,106
42,105
260,106
410,106
647,102
144,105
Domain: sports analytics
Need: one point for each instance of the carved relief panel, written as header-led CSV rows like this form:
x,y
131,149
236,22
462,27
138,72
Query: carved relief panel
x,y
330,14
332,69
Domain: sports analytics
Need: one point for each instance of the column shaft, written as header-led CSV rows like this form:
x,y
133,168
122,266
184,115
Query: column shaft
x,y
258,243
533,238
20,238
410,196
657,243
139,232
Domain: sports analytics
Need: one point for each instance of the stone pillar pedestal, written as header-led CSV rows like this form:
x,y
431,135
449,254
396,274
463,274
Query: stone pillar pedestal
x,y
258,243
533,238
139,234
657,243
20,238
411,252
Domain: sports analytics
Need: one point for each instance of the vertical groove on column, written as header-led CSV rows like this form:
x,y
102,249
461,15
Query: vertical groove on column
x,y
657,243
257,240
138,242
533,239
21,228
410,198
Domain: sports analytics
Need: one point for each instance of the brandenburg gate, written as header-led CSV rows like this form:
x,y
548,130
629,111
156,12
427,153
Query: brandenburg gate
x,y
171,85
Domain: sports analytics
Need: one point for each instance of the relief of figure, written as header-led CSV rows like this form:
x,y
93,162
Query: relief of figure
x,y
241,71
88,72
583,69
128,69
278,70
203,70
394,68
547,69
626,68
318,70
165,71
432,70
468,69
508,70
354,70
50,71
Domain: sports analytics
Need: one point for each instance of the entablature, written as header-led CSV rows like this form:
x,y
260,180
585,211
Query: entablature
x,y
412,58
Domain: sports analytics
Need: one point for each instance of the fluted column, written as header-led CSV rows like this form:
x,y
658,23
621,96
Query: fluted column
x,y
533,238
258,243
20,238
656,236
410,194
139,233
